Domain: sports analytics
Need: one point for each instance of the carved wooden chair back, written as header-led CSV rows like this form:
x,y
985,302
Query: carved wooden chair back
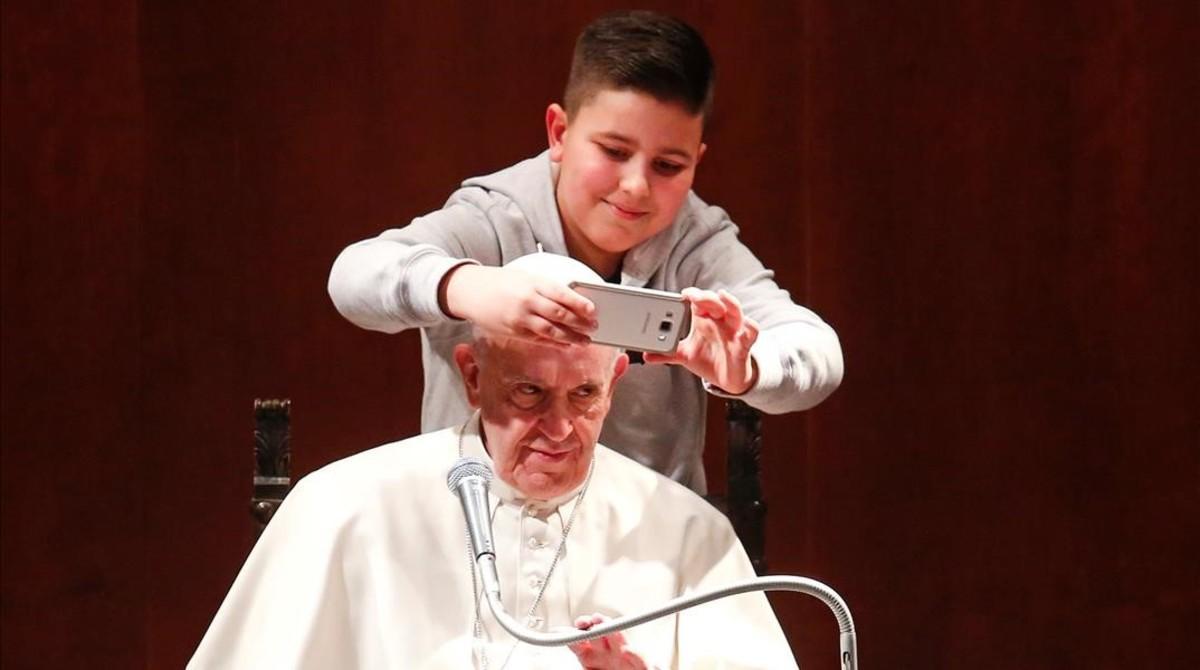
x,y
272,459
743,501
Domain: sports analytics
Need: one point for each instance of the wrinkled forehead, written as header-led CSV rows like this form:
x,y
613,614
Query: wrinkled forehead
x,y
512,359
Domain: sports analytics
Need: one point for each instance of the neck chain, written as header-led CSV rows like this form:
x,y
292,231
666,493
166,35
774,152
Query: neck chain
x,y
477,626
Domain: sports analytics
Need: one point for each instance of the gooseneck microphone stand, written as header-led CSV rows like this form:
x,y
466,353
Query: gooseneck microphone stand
x,y
471,473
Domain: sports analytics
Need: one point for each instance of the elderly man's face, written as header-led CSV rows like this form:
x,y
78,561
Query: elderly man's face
x,y
542,408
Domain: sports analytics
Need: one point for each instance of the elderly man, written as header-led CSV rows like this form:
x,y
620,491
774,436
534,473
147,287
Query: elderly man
x,y
367,563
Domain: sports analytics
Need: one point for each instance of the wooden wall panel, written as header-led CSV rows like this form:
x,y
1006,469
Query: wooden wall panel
x,y
74,546
1008,477
992,204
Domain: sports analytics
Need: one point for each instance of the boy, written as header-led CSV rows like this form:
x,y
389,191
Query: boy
x,y
614,191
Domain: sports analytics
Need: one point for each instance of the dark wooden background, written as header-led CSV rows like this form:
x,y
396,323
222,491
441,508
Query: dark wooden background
x,y
994,204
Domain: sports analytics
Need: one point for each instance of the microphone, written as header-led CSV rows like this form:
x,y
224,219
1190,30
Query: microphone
x,y
468,479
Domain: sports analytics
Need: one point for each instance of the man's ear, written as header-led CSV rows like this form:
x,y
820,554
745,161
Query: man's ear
x,y
700,154
556,130
619,368
468,366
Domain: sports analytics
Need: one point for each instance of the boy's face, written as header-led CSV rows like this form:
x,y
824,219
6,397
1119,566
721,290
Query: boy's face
x,y
627,161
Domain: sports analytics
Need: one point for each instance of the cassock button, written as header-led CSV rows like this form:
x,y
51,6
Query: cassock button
x,y
535,543
533,621
534,583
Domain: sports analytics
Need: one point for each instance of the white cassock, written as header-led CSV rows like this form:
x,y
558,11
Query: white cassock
x,y
366,565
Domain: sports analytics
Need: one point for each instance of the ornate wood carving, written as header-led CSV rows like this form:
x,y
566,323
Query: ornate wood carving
x,y
744,501
272,459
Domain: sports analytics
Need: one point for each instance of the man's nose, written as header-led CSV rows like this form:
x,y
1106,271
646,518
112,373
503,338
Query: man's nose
x,y
556,424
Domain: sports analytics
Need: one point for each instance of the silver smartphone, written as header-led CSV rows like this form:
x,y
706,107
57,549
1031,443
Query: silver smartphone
x,y
642,319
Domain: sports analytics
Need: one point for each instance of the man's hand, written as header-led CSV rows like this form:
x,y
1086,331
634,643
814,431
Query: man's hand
x,y
517,304
605,653
718,348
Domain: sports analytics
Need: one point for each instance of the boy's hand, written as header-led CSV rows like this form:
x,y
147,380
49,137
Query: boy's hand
x,y
718,348
605,653
517,304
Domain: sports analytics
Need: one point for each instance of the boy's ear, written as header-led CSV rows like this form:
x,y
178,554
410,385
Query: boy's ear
x,y
700,154
556,130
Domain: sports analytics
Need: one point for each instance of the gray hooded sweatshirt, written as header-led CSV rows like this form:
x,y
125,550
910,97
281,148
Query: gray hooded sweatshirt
x,y
389,283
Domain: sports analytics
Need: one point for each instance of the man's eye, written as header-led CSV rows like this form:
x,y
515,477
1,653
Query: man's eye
x,y
526,396
584,392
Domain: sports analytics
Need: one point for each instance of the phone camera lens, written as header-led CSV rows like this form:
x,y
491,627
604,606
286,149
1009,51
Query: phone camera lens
x,y
664,327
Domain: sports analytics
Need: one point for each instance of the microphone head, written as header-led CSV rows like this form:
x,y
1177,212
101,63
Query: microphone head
x,y
468,466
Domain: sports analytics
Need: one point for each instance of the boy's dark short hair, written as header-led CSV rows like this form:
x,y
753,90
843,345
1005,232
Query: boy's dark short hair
x,y
644,51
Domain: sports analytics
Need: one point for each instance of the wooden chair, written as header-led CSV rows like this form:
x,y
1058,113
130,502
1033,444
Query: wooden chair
x,y
272,459
743,501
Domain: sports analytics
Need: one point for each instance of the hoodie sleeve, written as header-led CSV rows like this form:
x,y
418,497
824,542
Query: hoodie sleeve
x,y
798,355
389,283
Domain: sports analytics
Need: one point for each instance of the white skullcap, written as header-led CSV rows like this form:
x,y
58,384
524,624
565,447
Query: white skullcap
x,y
555,266
558,268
